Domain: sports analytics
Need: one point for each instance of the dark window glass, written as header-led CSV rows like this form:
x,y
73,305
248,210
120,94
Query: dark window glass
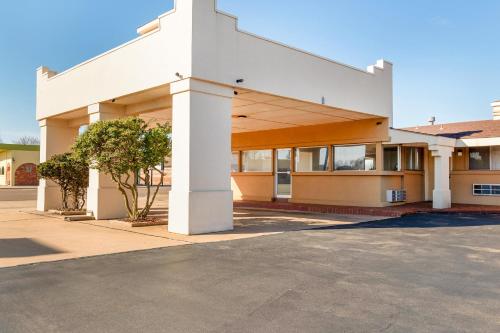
x,y
391,158
257,161
414,158
362,157
311,159
479,158
486,189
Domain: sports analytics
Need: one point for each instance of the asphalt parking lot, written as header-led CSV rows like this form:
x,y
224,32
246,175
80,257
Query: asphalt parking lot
x,y
422,273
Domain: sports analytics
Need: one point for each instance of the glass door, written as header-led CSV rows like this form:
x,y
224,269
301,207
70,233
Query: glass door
x,y
283,173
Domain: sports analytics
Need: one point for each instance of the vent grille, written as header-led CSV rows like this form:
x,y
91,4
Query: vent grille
x,y
396,195
486,189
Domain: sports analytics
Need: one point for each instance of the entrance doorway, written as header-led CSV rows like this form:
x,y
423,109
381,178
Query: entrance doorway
x,y
283,181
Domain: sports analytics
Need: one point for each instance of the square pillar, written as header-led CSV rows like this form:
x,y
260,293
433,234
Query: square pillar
x,y
201,199
104,199
379,157
56,137
441,196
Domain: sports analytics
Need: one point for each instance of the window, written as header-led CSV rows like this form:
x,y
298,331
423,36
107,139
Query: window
x,y
495,158
479,158
235,161
311,159
361,157
414,158
486,189
257,161
391,158
2,170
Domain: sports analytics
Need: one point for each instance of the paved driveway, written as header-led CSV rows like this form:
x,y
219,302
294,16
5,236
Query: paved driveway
x,y
425,273
17,193
28,237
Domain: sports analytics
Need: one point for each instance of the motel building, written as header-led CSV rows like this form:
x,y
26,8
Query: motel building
x,y
18,164
257,120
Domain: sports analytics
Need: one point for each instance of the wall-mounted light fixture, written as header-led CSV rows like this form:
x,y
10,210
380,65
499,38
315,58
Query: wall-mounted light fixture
x,y
239,81
379,123
179,75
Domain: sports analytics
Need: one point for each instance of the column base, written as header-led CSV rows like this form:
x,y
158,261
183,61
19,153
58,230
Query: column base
x,y
441,199
193,213
48,197
106,203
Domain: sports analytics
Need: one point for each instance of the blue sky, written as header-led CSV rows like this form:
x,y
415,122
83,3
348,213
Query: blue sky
x,y
446,53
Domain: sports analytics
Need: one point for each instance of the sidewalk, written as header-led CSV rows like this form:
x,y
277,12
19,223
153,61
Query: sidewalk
x,y
27,237
394,211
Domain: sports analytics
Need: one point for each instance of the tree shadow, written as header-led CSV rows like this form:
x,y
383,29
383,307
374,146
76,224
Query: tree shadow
x,y
24,247
255,222
427,220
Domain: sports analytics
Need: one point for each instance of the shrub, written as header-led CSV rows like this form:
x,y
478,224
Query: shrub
x,y
71,174
122,148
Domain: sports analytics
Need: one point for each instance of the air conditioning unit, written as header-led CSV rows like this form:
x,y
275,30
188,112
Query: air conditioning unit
x,y
396,195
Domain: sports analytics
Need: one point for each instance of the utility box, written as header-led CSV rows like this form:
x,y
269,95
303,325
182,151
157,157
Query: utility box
x,y
396,195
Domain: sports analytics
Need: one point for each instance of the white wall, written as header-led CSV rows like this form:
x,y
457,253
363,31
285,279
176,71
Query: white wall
x,y
146,62
222,53
194,40
5,158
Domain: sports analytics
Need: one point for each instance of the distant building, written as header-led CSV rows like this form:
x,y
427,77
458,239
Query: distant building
x,y
475,162
18,164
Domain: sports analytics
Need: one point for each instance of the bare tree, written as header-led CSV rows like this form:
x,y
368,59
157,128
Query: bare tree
x,y
27,140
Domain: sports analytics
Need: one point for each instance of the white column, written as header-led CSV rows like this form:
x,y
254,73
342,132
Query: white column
x,y
201,200
427,176
56,137
104,199
441,196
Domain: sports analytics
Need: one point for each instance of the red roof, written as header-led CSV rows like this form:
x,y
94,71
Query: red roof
x,y
463,130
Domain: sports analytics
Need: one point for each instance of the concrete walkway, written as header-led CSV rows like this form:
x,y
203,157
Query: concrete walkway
x,y
390,211
28,237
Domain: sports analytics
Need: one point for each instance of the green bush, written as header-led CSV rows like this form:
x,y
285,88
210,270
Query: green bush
x,y
71,174
122,148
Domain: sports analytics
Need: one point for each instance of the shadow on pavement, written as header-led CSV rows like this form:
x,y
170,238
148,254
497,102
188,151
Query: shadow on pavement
x,y
258,222
24,247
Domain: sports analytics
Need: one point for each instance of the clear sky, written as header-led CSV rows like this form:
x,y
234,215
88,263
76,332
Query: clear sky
x,y
446,53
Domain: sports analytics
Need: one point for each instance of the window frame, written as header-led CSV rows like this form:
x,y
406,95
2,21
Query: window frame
x,y
296,155
484,187
238,168
364,160
422,162
400,157
242,160
491,158
490,166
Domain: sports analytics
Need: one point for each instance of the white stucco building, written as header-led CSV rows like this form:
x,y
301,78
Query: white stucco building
x,y
231,94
